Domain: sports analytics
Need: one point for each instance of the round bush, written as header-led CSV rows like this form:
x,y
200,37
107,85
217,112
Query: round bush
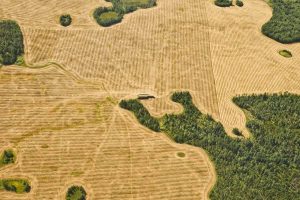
x,y
239,3
237,132
181,154
65,20
76,193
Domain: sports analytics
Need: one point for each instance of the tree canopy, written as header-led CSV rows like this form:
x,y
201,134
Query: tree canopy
x,y
284,26
11,42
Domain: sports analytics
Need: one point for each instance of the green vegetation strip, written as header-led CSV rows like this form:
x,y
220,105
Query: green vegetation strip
x,y
11,42
267,166
284,26
113,15
15,185
285,53
7,157
76,193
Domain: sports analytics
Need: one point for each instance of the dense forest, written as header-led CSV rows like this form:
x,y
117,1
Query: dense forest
x,y
11,42
284,26
141,113
266,166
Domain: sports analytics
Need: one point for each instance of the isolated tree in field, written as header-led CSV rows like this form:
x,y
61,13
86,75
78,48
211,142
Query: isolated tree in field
x,y
65,20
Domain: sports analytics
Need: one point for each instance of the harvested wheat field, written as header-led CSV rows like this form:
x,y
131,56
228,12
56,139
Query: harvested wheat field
x,y
69,133
60,113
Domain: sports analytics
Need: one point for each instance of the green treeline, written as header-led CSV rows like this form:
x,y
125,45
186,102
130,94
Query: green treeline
x,y
266,166
11,42
7,157
284,26
141,113
76,193
113,15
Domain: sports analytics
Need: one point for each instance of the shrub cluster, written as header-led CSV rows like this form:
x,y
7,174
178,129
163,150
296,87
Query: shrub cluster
x,y
11,42
284,26
237,132
15,185
107,16
7,157
223,3
141,113
65,20
268,164
76,193
113,15
239,3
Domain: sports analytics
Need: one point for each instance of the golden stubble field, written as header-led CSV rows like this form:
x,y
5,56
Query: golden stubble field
x,y
66,133
65,124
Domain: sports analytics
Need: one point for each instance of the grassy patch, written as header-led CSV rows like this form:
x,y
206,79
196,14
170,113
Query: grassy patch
x,y
15,185
11,42
284,26
285,53
267,164
45,146
132,5
181,154
77,173
107,16
7,157
76,193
